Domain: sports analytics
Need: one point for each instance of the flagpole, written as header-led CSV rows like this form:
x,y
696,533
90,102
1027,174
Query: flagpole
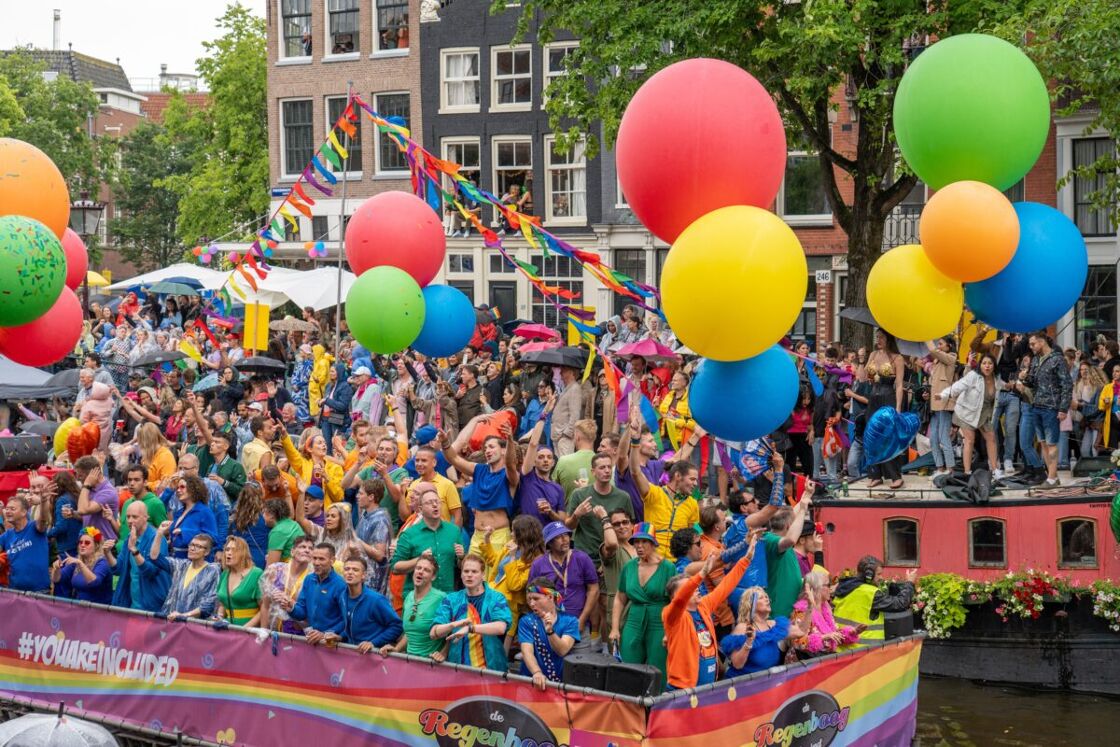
x,y
342,225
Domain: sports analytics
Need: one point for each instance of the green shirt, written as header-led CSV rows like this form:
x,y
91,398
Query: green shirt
x,y
567,469
783,576
282,536
233,477
420,537
588,534
157,514
417,620
205,461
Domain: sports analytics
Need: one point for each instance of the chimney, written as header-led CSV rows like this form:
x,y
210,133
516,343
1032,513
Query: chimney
x,y
57,29
162,74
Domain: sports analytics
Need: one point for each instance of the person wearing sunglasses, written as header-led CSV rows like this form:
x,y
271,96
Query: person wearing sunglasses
x,y
87,576
546,634
420,607
194,582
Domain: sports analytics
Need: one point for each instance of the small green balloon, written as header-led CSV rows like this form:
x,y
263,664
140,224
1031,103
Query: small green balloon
x,y
971,107
385,309
32,270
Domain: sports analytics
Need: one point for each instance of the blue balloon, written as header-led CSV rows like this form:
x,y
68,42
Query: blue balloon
x,y
741,400
448,322
888,434
1044,279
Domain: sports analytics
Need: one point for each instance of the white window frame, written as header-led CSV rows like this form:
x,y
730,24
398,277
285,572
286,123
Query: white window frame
x,y
494,52
378,172
329,56
377,51
495,141
546,75
568,220
620,202
815,219
446,108
328,123
281,58
444,144
284,175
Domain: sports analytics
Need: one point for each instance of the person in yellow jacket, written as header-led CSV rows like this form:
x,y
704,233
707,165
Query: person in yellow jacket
x,y
859,600
320,375
310,461
1109,404
676,416
507,570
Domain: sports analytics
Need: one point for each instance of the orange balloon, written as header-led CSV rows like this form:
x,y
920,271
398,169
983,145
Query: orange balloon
x,y
969,231
32,186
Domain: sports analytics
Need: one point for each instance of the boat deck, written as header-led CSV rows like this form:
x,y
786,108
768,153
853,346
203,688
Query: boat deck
x,y
1008,491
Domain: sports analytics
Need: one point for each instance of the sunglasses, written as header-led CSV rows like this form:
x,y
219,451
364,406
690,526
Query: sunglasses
x,y
617,524
412,615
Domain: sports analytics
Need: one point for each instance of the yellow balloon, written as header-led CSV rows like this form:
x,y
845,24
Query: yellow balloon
x,y
911,298
63,433
734,283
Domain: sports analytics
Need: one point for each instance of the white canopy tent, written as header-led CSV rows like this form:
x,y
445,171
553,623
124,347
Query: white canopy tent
x,y
210,279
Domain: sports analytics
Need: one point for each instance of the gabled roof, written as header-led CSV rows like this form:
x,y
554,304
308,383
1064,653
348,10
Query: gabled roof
x,y
82,68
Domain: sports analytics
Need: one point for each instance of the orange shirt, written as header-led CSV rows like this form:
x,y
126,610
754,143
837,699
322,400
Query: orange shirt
x,y
293,487
723,614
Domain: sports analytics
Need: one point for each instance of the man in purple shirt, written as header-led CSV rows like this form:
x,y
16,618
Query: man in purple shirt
x,y
651,467
97,495
571,570
537,495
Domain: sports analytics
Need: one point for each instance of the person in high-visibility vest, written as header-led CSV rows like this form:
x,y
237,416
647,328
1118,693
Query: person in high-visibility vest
x,y
859,600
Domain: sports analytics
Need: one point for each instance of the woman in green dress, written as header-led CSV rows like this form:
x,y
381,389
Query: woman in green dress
x,y
642,587
239,588
419,610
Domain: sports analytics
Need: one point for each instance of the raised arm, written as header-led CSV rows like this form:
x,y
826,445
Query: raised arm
x,y
513,474
464,466
800,511
640,480
200,420
530,462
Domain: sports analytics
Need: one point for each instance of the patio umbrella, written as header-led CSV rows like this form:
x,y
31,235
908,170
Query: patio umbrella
x,y
536,332
536,347
184,280
55,730
40,427
261,364
291,324
158,357
168,288
206,383
569,356
96,279
652,350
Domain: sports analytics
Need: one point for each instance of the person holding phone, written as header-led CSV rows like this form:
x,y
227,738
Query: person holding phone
x,y
86,575
758,642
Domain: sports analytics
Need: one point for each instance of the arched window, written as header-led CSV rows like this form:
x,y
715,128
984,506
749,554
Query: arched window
x,y
900,541
1077,542
987,543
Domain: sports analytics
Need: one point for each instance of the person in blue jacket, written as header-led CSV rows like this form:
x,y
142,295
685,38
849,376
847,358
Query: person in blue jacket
x,y
371,622
143,585
320,604
474,620
67,521
194,518
336,421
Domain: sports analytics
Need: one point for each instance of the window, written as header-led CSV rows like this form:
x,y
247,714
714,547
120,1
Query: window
x,y
513,164
466,286
566,200
987,543
392,25
1077,543
460,88
464,152
460,263
802,196
902,223
662,256
291,234
631,262
900,542
620,198
297,140
320,228
295,28
555,60
1095,311
498,265
353,163
564,272
390,159
512,84
342,26
1091,220
1017,192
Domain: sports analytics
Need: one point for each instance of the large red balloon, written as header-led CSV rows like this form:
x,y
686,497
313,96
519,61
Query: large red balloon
x,y
47,339
396,229
729,150
77,259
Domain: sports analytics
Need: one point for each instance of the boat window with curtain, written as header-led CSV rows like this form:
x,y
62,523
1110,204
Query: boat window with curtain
x,y
987,543
900,541
1077,543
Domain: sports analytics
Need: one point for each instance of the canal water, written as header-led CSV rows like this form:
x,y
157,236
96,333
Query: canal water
x,y
958,713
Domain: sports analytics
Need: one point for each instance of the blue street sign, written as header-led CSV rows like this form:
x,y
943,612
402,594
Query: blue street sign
x,y
281,191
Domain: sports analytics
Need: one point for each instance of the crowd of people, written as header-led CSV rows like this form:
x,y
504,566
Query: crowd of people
x,y
497,513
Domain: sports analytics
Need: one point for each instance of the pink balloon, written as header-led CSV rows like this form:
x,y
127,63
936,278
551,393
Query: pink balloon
x,y
47,339
730,151
396,229
77,259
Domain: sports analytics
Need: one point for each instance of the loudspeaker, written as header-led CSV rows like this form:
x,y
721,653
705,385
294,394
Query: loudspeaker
x,y
21,452
587,670
898,624
638,680
1092,465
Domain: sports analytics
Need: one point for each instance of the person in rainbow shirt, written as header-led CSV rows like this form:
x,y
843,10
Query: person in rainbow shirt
x,y
473,621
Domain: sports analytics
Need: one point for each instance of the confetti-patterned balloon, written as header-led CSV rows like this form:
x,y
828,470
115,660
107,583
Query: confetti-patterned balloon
x,y
32,270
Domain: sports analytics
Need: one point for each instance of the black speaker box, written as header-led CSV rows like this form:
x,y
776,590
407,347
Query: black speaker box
x,y
21,452
587,670
638,680
898,624
1092,465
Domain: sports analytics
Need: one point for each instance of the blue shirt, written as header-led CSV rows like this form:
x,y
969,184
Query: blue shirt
x,y
141,587
370,618
256,537
72,583
189,524
530,629
65,531
756,574
491,608
490,490
28,552
320,603
765,652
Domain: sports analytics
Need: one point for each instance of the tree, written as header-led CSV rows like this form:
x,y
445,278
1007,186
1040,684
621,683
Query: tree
x,y
805,53
227,183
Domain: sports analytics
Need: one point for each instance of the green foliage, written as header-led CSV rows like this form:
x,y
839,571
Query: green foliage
x,y
941,599
227,183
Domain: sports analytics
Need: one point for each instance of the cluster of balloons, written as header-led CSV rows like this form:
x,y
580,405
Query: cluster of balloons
x,y
205,253
736,276
971,117
42,261
75,439
315,249
395,245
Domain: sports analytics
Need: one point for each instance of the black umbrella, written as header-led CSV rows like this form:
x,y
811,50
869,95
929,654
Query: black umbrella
x,y
67,378
261,364
40,427
158,357
862,315
569,356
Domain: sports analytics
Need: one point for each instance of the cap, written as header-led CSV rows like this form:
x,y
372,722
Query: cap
x,y
256,406
554,529
362,371
644,531
151,392
425,434
314,492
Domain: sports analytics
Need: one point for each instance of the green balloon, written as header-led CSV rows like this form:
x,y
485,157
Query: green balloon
x,y
385,309
971,107
32,270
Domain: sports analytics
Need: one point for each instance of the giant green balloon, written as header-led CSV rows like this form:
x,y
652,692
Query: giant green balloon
x,y
971,107
32,270
385,309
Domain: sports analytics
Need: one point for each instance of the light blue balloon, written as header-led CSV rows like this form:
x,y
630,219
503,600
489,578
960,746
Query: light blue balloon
x,y
1043,280
741,400
448,322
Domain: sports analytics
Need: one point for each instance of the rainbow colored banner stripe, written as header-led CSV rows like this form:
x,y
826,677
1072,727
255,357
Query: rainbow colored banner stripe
x,y
235,687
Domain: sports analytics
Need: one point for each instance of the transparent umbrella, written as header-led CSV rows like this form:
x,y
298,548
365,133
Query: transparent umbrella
x,y
54,730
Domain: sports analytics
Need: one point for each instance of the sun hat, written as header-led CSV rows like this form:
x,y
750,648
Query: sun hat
x,y
554,529
644,531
